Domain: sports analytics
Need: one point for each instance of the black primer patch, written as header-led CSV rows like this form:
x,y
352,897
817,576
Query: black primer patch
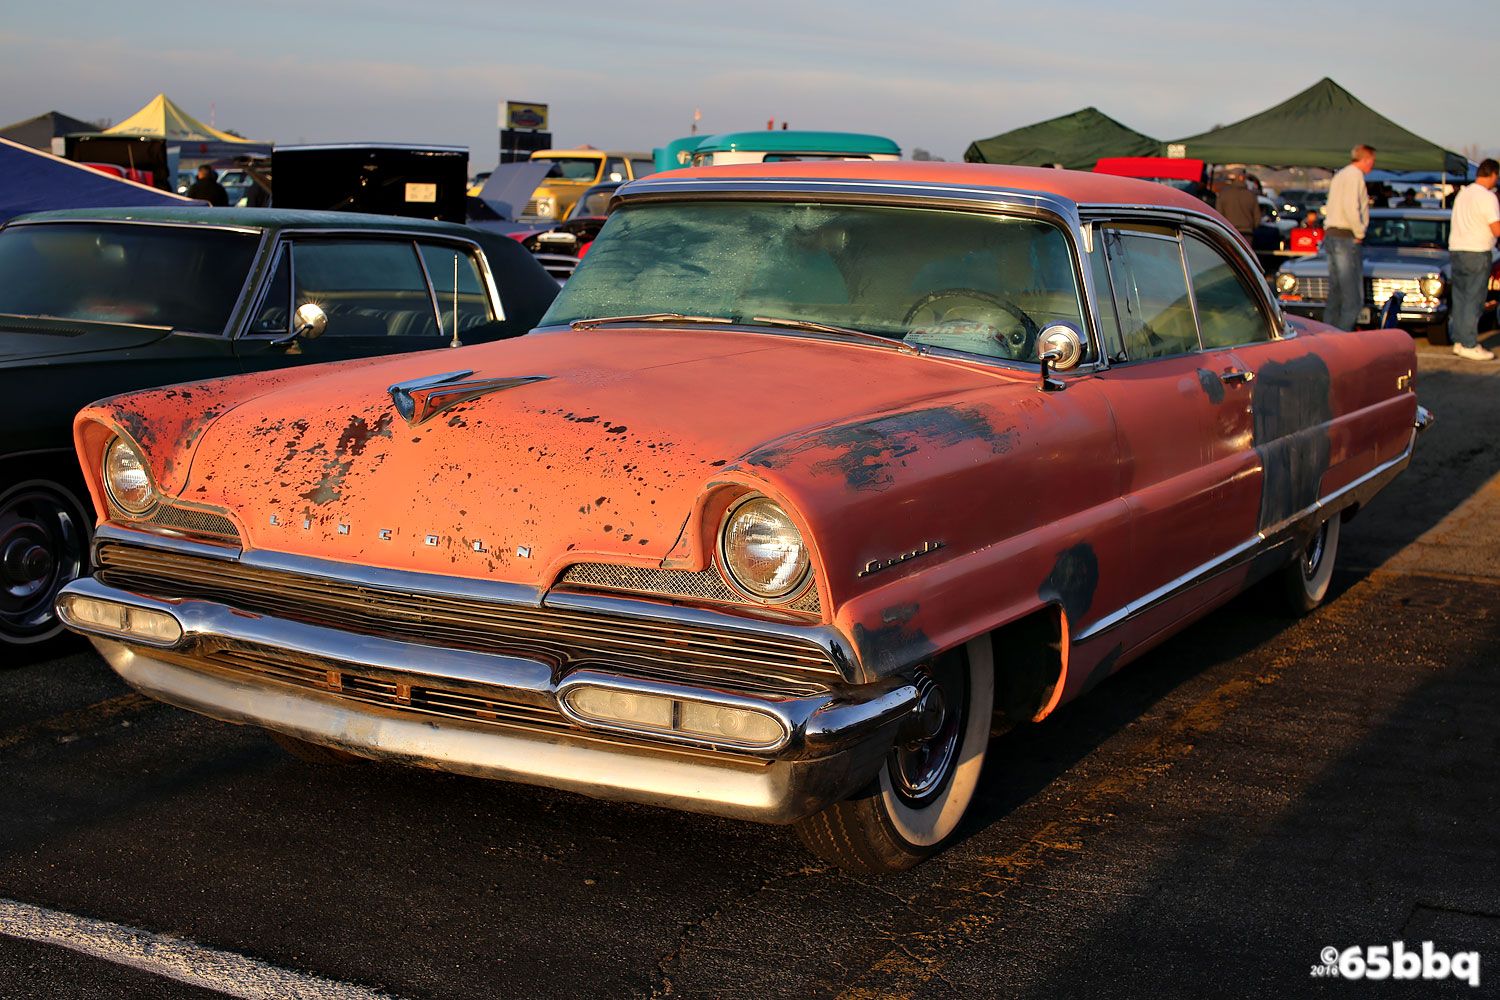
x,y
1293,407
1213,386
868,450
1073,581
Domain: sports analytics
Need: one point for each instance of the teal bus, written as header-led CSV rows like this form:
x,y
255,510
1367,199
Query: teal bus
x,y
772,146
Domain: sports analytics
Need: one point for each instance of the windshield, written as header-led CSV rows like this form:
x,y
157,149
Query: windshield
x,y
1387,232
983,284
572,168
183,277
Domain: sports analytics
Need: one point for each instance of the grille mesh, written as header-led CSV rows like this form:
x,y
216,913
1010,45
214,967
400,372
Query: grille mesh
x,y
1377,290
669,650
200,522
703,585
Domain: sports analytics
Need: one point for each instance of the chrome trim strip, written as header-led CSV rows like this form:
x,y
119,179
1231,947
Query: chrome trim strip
x,y
774,792
145,536
1242,553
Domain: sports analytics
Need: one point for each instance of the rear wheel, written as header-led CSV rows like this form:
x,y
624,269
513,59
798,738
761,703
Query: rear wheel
x,y
1304,582
44,545
313,753
912,809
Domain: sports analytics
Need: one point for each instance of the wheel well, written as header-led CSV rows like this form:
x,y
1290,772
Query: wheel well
x,y
1028,656
58,466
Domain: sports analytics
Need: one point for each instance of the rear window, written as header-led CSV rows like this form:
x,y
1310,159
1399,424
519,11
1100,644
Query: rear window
x,y
183,277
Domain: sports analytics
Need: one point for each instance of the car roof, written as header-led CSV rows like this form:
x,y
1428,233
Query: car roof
x,y
1081,187
597,154
269,219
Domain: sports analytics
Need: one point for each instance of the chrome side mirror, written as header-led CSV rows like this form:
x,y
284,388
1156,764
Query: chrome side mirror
x,y
308,321
1059,347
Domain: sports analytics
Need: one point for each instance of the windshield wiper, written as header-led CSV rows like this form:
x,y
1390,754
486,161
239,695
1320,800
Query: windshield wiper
x,y
803,324
589,324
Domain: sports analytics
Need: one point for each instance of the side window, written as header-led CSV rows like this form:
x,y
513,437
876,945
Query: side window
x,y
640,168
274,315
459,286
1109,318
368,288
1228,314
614,170
1151,294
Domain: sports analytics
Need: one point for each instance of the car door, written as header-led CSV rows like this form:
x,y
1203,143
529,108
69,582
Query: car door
x,y
380,296
1190,476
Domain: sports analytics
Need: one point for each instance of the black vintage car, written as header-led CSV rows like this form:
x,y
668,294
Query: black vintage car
x,y
94,303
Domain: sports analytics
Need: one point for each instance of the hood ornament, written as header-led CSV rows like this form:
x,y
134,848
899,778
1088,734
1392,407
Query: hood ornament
x,y
421,399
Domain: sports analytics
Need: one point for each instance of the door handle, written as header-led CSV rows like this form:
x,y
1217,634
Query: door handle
x,y
1236,375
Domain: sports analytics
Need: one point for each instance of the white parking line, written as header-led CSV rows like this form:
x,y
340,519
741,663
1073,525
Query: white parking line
x,y
163,955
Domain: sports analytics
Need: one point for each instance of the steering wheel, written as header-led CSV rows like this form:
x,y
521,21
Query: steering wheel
x,y
1020,344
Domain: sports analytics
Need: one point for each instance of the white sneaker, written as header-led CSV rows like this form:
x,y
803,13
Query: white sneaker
x,y
1475,353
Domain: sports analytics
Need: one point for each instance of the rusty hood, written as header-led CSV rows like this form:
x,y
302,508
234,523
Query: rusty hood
x,y
600,457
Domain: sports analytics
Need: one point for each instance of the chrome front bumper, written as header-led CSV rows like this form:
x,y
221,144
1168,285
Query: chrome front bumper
x,y
836,740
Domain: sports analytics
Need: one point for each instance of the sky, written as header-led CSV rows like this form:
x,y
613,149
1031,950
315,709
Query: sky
x,y
933,75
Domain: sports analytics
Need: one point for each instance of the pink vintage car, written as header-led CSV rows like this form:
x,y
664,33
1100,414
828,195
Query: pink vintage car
x,y
810,472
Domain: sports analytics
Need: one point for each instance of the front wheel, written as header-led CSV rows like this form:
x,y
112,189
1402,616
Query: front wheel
x,y
913,807
44,545
1304,582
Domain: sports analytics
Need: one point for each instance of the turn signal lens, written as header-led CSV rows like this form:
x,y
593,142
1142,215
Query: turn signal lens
x,y
90,614
763,550
126,479
702,721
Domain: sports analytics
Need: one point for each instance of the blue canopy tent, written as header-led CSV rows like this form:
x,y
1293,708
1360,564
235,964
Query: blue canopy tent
x,y
31,181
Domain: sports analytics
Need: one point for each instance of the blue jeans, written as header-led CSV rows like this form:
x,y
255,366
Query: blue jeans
x,y
1471,278
1346,281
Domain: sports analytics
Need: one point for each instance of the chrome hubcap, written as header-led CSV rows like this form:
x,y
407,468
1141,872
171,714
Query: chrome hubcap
x,y
921,768
1313,554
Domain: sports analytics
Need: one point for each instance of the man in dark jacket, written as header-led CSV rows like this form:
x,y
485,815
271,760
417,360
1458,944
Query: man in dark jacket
x,y
207,187
1238,204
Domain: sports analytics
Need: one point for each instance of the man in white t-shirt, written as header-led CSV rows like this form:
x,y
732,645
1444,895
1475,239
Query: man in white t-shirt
x,y
1471,240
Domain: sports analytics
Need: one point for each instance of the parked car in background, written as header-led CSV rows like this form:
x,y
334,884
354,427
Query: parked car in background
x,y
559,247
573,172
1406,251
812,475
773,146
96,302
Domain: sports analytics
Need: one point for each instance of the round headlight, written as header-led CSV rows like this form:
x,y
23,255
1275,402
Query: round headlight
x,y
763,550
1286,283
126,479
1431,286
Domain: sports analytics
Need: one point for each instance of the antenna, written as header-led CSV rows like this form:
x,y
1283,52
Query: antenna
x,y
455,342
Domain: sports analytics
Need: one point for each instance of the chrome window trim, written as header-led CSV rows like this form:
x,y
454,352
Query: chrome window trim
x,y
236,319
288,236
1264,540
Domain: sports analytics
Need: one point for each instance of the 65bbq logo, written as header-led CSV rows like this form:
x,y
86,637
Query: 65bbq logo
x,y
1397,962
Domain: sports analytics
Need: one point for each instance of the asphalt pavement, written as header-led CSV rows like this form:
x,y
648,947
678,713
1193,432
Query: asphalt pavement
x,y
1207,823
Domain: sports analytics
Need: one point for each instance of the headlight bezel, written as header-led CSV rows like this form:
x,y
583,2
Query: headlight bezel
x,y
797,583
107,474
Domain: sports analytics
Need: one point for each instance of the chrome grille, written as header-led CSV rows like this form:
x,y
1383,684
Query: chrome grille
x,y
414,698
703,585
569,637
1313,289
1377,290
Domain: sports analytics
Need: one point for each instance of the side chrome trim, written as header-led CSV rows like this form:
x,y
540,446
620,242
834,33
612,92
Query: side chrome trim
x,y
1245,552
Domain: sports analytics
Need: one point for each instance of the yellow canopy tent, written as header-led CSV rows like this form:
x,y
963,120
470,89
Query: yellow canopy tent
x,y
162,117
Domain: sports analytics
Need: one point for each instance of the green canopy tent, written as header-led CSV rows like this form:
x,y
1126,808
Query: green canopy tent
x,y
1075,141
1318,128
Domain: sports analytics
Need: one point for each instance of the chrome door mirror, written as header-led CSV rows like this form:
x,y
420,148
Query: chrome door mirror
x,y
1059,347
310,321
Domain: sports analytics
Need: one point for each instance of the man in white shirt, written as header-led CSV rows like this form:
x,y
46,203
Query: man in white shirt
x,y
1346,216
1471,239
